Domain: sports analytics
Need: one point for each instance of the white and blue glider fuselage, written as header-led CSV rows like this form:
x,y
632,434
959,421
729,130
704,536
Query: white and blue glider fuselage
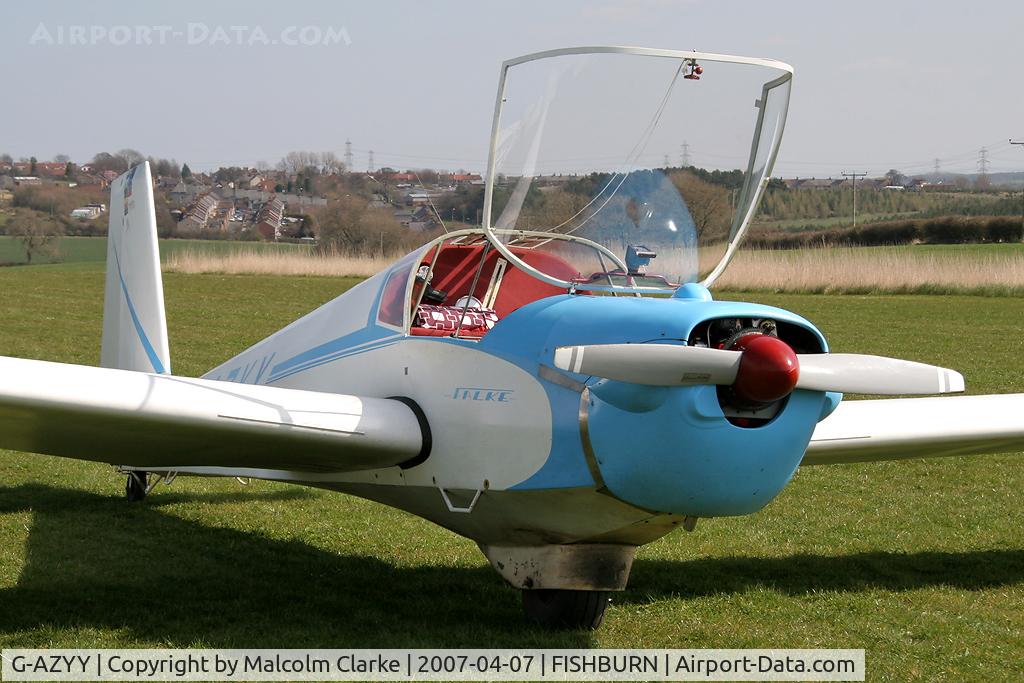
x,y
506,422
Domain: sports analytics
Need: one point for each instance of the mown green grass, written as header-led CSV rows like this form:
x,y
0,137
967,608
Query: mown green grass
x,y
94,249
921,563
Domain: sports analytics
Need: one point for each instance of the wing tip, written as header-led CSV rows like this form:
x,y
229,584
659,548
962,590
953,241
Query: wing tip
x,y
955,382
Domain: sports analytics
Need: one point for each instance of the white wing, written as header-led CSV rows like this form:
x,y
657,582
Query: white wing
x,y
892,429
151,420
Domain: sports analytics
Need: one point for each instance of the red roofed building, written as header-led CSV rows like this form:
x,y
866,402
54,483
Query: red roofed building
x,y
268,220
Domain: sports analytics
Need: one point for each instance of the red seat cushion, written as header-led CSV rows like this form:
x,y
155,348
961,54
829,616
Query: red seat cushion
x,y
445,319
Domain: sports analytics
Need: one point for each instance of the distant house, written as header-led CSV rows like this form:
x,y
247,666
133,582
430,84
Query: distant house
x,y
183,193
92,180
50,169
254,182
422,218
53,169
268,219
199,214
86,213
464,178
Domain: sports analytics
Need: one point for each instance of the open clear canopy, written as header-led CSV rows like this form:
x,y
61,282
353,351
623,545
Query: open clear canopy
x,y
635,169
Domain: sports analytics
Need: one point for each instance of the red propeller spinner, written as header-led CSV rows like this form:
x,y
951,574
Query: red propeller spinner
x,y
768,370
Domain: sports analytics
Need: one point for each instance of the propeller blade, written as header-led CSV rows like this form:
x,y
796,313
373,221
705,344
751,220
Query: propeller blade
x,y
853,373
660,365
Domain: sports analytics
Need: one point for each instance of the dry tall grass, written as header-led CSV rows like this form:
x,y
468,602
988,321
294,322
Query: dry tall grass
x,y
877,270
823,270
252,262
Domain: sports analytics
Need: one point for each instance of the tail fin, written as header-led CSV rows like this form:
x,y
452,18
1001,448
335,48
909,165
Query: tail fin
x,y
134,325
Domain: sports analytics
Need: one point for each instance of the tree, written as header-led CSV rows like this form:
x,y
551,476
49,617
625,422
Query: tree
x,y
300,162
163,168
103,161
331,164
69,170
62,158
6,159
38,235
350,226
32,165
894,177
708,205
129,157
186,172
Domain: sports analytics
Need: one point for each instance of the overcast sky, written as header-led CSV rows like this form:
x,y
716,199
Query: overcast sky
x,y
878,84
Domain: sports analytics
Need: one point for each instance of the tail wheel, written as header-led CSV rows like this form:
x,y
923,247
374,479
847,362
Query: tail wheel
x,y
554,608
135,489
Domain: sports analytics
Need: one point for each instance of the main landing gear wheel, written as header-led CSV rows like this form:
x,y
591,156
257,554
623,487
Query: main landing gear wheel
x,y
556,608
135,489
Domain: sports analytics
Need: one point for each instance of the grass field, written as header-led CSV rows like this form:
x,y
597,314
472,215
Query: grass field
x,y
94,249
919,562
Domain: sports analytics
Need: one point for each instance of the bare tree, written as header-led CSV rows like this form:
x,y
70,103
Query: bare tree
x,y
103,161
130,157
894,177
708,205
352,227
38,236
308,163
331,164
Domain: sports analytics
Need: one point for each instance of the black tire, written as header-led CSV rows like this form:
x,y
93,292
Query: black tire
x,y
135,489
565,609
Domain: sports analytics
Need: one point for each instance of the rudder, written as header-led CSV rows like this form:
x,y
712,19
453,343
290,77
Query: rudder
x,y
134,323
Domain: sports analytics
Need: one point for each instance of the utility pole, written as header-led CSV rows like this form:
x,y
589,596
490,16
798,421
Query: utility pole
x,y
1020,142
348,155
938,162
684,154
854,175
370,164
